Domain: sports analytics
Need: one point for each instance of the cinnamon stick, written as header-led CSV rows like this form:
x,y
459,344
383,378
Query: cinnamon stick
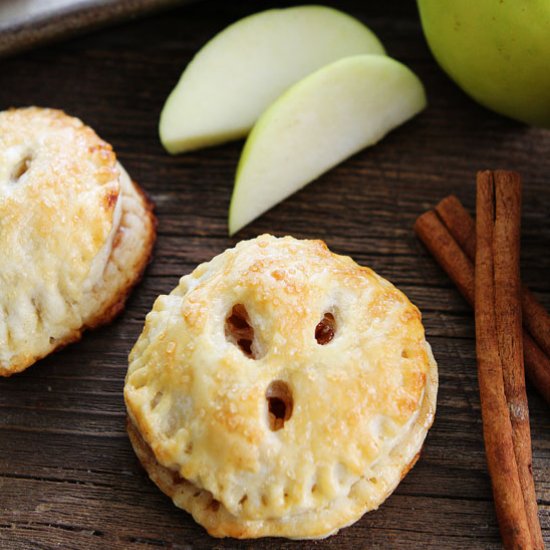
x,y
537,366
509,332
491,348
450,256
462,227
536,319
438,232
453,222
441,244
460,224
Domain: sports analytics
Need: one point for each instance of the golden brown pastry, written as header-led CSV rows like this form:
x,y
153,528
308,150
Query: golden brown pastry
x,y
280,390
75,233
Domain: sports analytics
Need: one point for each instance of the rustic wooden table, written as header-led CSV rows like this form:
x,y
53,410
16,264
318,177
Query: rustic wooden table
x,y
68,477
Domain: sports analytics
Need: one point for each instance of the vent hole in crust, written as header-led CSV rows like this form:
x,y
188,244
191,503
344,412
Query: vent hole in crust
x,y
279,404
325,329
246,346
21,168
406,354
239,331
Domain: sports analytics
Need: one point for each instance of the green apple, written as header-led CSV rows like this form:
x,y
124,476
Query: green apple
x,y
318,122
497,51
244,68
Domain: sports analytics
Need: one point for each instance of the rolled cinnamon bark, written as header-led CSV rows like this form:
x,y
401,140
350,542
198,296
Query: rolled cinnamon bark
x,y
446,251
509,331
536,319
453,223
491,350
459,223
462,227
450,236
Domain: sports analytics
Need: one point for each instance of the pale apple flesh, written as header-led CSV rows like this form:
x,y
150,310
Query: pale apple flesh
x,y
243,69
317,123
498,52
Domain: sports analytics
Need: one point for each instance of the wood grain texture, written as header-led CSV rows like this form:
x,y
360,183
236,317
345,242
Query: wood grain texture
x,y
68,477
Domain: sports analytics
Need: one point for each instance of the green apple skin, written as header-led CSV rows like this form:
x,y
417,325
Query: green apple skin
x,y
244,68
497,51
317,123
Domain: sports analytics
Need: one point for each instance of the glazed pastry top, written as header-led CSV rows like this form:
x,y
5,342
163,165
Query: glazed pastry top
x,y
59,211
281,378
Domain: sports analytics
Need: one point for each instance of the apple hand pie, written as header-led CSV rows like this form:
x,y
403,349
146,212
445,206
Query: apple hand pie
x,y
75,234
280,390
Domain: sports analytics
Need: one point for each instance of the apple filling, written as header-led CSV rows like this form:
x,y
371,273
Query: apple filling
x,y
100,261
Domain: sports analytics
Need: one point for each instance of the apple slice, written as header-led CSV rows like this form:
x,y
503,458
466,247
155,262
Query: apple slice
x,y
244,68
320,121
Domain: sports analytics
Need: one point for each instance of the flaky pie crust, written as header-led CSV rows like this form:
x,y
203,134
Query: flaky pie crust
x,y
362,403
65,205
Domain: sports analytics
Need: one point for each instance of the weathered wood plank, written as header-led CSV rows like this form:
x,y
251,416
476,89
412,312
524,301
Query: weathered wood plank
x,y
68,476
